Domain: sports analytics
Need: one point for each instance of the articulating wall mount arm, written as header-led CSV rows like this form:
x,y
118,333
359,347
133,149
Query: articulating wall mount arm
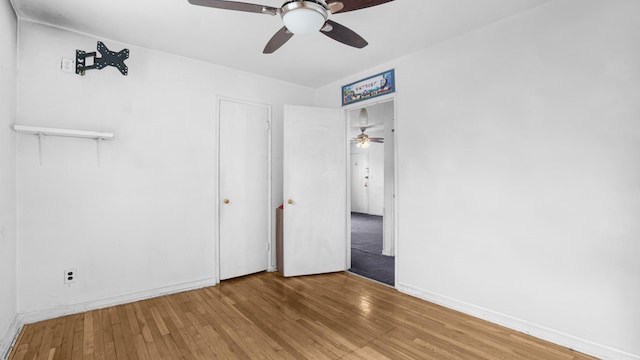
x,y
109,58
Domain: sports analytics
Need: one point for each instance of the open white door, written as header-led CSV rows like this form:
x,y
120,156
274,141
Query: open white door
x,y
315,230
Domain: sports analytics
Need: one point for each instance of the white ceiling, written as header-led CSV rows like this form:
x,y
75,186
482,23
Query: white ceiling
x,y
236,39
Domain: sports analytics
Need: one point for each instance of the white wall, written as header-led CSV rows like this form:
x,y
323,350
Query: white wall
x,y
519,184
8,33
142,222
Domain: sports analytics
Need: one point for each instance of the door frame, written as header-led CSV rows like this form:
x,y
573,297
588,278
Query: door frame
x,y
347,109
270,214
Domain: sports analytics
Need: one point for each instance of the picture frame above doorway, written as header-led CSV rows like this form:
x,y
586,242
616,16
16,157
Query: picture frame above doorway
x,y
368,88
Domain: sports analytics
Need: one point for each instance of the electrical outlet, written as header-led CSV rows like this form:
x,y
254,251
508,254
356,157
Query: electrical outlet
x,y
70,275
68,65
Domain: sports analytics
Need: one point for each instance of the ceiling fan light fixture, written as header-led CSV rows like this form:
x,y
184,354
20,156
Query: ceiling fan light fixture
x,y
304,17
363,143
363,117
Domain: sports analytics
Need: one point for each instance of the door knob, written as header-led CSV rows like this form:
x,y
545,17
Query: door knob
x,y
226,201
289,201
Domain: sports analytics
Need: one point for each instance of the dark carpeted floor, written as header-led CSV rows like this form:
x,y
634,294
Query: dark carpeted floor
x,y
366,233
366,249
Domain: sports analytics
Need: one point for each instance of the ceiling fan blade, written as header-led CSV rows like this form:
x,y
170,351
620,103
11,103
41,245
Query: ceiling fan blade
x,y
366,127
343,34
282,36
238,6
335,6
350,5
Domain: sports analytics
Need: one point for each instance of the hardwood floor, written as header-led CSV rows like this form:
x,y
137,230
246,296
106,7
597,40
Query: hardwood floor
x,y
265,316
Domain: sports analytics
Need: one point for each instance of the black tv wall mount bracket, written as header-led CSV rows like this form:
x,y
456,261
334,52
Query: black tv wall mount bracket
x,y
109,58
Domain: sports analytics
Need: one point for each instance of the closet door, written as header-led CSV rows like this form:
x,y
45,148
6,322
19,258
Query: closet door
x,y
244,187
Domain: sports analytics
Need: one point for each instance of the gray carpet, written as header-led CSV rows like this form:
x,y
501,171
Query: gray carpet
x,y
366,233
366,249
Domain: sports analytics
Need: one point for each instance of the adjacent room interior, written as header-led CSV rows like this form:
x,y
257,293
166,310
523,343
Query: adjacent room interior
x,y
131,131
372,175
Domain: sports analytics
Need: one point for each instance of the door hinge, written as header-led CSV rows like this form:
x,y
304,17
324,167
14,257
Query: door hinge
x,y
268,246
268,125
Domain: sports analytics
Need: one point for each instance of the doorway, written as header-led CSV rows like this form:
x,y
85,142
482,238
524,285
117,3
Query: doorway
x,y
317,190
372,200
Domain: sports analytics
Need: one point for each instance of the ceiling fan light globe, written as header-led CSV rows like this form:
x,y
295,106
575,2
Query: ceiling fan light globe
x,y
363,117
363,142
304,17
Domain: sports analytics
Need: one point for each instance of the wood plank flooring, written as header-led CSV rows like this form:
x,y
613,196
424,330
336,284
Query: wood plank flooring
x,y
265,316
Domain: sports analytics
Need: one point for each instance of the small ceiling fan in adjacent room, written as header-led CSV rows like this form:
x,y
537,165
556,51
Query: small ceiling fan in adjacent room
x,y
363,140
303,17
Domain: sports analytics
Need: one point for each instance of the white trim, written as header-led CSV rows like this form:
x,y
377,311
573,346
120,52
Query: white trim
x,y
393,97
370,102
271,214
347,125
63,310
555,336
396,187
10,337
216,199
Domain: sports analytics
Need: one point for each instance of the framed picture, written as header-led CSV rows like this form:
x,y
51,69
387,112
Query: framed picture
x,y
373,86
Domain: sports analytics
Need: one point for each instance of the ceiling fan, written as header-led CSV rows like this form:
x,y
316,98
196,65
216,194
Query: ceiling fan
x,y
363,140
303,17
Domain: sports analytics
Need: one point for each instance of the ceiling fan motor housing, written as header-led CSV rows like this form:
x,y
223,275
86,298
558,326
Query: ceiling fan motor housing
x,y
304,16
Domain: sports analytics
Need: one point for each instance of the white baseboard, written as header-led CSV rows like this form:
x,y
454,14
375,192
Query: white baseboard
x,y
535,330
58,311
10,337
8,340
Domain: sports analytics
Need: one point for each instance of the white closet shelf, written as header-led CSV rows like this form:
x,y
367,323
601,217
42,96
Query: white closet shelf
x,y
38,130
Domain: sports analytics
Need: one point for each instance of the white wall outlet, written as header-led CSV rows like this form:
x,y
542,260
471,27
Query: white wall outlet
x,y
68,65
70,275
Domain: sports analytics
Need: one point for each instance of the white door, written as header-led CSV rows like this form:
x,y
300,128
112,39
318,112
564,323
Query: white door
x,y
315,234
360,183
244,187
